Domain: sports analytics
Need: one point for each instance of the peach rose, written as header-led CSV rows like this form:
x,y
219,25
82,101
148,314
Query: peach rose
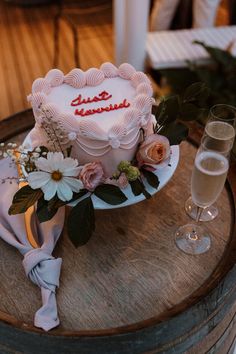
x,y
154,149
92,175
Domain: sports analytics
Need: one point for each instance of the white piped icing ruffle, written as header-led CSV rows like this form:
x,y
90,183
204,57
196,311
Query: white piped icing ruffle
x,y
50,111
88,135
109,70
37,100
126,71
138,78
76,78
143,104
94,77
145,89
55,77
41,85
131,117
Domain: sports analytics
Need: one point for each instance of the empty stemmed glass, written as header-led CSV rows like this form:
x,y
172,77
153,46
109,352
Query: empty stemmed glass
x,y
208,178
219,135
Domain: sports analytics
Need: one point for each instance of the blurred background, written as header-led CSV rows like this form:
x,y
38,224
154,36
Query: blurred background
x,y
36,36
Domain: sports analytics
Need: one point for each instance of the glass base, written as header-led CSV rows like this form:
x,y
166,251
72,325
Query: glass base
x,y
192,239
208,213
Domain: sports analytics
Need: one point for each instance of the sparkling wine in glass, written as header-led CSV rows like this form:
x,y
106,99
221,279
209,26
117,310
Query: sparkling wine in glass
x,y
208,179
219,135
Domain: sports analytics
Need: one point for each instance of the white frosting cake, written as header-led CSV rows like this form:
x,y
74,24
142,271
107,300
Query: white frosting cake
x,y
101,110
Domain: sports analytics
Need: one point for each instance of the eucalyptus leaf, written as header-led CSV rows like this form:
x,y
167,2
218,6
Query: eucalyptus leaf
x,y
168,110
196,93
138,188
175,132
110,194
44,211
81,222
56,203
221,56
190,112
23,199
151,178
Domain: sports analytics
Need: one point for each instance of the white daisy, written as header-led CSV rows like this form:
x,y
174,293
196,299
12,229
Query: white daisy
x,y
56,175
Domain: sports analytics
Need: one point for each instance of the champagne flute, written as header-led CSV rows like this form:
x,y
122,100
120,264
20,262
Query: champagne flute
x,y
219,135
208,179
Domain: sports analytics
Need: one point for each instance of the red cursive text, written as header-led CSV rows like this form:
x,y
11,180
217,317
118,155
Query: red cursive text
x,y
103,96
112,107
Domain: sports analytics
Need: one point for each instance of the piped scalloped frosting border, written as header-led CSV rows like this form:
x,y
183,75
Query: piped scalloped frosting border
x,y
122,134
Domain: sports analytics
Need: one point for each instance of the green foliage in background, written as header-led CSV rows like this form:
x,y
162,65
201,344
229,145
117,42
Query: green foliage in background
x,y
219,76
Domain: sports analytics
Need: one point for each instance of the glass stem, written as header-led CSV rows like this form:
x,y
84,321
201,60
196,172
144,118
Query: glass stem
x,y
199,213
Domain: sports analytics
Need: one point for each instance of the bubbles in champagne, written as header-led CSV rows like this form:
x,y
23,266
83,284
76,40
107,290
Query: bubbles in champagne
x,y
208,177
219,136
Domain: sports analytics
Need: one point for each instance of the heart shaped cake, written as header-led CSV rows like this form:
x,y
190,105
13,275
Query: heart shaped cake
x,y
100,112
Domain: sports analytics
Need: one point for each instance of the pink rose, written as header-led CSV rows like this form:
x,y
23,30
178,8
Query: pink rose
x,y
123,181
92,175
154,149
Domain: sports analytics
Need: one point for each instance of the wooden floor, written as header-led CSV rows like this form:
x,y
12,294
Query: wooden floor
x,y
26,50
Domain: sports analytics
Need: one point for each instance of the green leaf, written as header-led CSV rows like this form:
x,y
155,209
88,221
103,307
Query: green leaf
x,y
197,93
78,195
175,132
190,112
110,194
81,222
47,209
221,56
168,110
172,108
44,211
23,199
138,188
151,178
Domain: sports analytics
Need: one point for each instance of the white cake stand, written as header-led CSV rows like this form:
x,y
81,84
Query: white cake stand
x,y
163,171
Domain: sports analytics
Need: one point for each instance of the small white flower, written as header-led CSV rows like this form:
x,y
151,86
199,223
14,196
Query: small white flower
x,y
72,136
37,149
35,154
10,152
2,144
56,175
14,145
21,148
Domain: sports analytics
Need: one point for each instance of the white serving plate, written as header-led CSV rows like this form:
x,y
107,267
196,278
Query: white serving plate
x,y
163,171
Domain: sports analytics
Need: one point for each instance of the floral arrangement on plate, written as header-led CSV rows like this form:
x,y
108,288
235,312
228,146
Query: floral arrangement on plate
x,y
52,179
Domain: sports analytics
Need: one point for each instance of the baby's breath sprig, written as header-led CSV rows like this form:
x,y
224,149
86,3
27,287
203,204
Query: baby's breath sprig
x,y
58,139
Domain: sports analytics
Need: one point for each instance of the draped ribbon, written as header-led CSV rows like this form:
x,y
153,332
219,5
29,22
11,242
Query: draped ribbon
x,y
39,264
44,270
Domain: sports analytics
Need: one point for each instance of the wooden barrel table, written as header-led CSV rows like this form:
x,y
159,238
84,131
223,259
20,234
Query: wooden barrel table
x,y
130,289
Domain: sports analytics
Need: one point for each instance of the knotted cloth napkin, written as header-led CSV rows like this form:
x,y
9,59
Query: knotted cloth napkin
x,y
39,264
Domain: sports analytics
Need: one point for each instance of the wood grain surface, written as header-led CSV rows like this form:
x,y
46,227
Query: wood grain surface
x,y
27,49
27,46
130,270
